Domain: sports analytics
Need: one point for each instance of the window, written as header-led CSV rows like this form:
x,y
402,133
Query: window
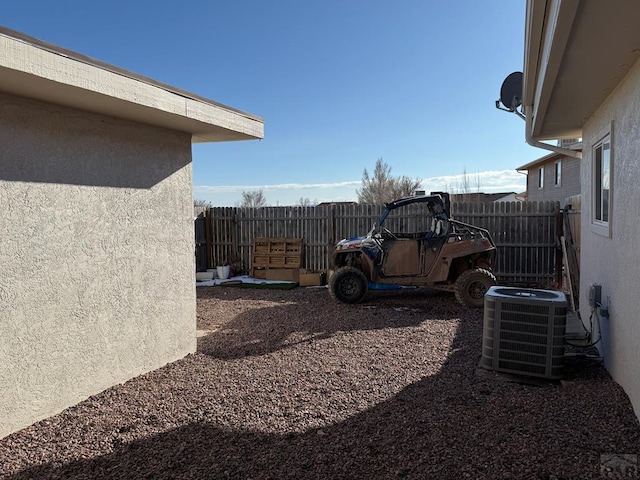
x,y
602,182
540,178
558,176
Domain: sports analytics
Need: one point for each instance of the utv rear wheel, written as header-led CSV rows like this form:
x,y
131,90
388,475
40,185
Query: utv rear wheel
x,y
348,284
471,286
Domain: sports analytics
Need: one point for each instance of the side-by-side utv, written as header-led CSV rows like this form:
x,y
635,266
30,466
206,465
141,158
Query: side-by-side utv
x,y
446,254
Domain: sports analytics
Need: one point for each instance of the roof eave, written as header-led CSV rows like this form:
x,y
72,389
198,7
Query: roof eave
x,y
548,26
549,157
576,54
35,69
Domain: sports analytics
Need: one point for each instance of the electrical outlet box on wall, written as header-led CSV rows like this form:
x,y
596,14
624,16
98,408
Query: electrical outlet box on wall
x,y
595,295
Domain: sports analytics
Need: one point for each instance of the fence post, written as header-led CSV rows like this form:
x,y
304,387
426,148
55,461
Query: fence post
x,y
331,234
209,237
235,235
559,235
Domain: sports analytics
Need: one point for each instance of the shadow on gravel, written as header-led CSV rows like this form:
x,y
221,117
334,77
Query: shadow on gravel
x,y
269,329
452,425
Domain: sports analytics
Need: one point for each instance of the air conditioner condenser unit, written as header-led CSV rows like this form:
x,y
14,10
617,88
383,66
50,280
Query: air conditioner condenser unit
x,y
524,331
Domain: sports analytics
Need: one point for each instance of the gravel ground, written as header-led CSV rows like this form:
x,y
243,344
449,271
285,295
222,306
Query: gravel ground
x,y
290,384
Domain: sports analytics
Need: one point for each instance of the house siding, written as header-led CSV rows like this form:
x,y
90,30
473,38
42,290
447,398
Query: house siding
x,y
96,255
613,261
569,185
570,179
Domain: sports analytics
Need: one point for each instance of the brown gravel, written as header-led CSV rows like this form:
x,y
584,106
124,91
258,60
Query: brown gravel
x,y
290,384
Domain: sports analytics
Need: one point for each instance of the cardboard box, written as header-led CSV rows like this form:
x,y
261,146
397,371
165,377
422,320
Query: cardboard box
x,y
309,279
283,274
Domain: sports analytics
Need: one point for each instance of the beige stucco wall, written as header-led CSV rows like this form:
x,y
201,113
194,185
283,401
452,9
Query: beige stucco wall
x,y
614,262
96,255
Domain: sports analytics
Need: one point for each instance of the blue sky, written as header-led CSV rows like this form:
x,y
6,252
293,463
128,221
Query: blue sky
x,y
338,83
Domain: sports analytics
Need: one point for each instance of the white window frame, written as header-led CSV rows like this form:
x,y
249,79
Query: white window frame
x,y
558,173
602,185
541,178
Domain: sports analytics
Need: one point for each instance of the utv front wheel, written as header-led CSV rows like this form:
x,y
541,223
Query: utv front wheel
x,y
348,284
471,286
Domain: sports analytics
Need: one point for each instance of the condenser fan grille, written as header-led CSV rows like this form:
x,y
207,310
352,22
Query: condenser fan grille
x,y
525,308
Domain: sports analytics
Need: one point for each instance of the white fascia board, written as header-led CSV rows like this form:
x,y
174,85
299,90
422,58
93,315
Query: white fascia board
x,y
548,26
534,22
33,69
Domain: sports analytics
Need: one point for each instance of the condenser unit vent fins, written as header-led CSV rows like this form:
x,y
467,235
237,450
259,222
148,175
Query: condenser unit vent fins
x,y
523,331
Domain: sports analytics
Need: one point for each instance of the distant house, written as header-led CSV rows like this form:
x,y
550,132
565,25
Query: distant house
x,y
554,177
97,281
582,79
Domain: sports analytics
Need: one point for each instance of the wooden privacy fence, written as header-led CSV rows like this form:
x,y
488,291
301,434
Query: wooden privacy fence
x,y
526,233
526,237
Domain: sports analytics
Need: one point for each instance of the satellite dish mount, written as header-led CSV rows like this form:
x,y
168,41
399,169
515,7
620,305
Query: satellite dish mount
x,y
511,94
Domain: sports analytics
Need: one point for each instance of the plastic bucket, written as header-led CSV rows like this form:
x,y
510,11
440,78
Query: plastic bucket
x,y
223,271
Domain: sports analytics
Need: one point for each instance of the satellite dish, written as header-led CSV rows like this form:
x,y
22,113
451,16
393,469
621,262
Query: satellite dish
x,y
511,91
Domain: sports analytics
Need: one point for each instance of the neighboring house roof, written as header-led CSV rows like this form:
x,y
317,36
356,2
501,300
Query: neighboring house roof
x,y
323,204
521,197
502,197
35,69
547,158
576,53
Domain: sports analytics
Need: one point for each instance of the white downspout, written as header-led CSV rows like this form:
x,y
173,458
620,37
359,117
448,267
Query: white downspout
x,y
528,135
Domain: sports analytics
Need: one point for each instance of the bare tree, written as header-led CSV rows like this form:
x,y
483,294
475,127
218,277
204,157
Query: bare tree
x,y
464,185
469,187
306,202
200,203
382,187
404,187
253,198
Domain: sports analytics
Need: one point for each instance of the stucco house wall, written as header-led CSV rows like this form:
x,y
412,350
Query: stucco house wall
x,y
612,260
97,267
96,255
582,80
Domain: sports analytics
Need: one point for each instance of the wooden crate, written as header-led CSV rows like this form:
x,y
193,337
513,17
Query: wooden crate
x,y
275,253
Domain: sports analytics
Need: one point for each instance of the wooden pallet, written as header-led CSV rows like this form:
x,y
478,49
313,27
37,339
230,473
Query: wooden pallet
x,y
275,253
275,261
277,246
